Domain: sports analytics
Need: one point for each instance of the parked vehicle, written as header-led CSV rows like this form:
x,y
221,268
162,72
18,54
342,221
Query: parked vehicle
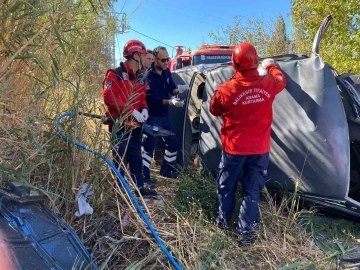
x,y
206,54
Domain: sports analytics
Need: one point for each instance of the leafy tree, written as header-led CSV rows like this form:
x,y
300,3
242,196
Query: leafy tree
x,y
279,43
269,37
340,45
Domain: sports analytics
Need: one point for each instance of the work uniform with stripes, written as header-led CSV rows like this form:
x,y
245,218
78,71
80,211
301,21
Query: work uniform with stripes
x,y
160,87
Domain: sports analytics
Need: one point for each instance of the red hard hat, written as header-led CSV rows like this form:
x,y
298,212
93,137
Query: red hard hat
x,y
244,56
133,46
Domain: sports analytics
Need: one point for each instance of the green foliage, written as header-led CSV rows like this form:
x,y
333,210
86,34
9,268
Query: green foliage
x,y
269,37
196,190
279,43
340,45
331,234
210,258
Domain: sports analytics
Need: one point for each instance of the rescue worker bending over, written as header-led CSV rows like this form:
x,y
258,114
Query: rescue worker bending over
x,y
245,104
124,95
161,85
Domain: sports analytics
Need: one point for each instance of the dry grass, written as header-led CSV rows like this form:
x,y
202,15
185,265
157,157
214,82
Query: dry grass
x,y
62,70
35,155
184,222
38,157
189,233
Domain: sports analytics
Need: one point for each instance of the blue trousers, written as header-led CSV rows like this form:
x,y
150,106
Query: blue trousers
x,y
127,148
171,148
255,170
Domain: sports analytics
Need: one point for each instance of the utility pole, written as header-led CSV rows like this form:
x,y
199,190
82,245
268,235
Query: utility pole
x,y
121,28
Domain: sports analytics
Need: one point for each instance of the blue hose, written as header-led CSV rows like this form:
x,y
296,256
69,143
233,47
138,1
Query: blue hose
x,y
126,186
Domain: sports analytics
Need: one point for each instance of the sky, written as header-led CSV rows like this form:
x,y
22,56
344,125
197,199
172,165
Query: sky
x,y
188,22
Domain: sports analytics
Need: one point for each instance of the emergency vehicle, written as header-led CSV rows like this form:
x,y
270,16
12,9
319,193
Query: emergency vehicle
x,y
206,54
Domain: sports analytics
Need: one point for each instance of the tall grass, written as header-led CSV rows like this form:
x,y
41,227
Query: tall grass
x,y
53,56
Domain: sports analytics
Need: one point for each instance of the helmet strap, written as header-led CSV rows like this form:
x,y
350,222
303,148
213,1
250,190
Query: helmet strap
x,y
139,60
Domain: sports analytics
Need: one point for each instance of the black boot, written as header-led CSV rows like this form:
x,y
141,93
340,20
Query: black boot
x,y
246,239
147,192
150,184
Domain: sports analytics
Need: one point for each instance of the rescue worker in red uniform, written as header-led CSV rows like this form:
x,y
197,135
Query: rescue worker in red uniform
x,y
124,95
245,105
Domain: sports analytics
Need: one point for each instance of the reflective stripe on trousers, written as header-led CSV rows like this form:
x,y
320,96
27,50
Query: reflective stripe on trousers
x,y
149,144
255,170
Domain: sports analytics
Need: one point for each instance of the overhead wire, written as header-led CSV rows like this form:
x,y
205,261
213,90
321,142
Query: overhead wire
x,y
123,6
150,37
174,11
137,8
117,47
147,36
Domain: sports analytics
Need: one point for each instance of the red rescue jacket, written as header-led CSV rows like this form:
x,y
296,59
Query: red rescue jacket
x,y
124,91
245,104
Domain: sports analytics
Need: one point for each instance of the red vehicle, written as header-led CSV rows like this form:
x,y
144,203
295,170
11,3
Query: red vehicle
x,y
206,54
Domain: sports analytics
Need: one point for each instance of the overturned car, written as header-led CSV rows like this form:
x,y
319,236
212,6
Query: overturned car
x,y
315,138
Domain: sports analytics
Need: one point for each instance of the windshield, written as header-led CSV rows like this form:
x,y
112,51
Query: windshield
x,y
211,59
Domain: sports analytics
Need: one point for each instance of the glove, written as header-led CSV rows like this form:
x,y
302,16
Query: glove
x,y
176,102
266,62
138,116
181,88
262,71
145,114
216,84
